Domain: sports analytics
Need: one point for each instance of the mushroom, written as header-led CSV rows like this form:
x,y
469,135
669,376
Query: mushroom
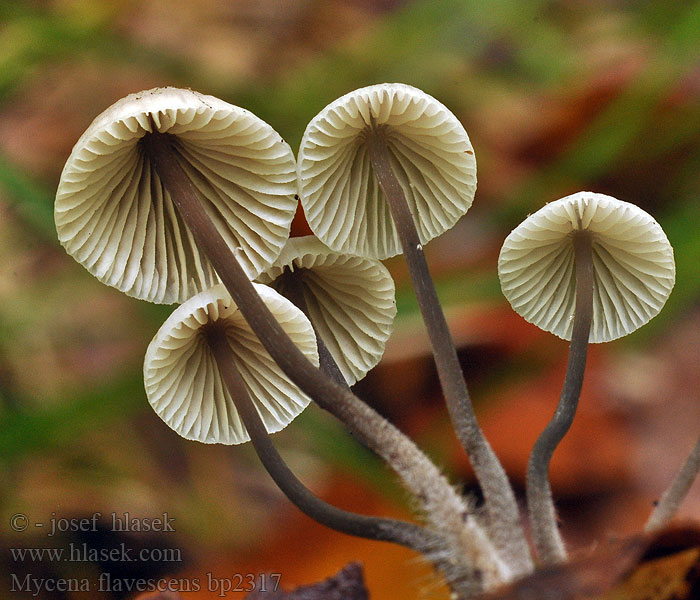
x,y
209,378
633,268
466,546
348,299
426,148
385,169
115,216
182,381
588,268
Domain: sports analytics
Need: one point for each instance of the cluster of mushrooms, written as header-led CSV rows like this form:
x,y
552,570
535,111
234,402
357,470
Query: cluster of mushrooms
x,y
172,196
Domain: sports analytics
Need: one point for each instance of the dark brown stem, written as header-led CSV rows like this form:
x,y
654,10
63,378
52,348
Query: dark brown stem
x,y
444,508
548,540
374,528
501,506
293,289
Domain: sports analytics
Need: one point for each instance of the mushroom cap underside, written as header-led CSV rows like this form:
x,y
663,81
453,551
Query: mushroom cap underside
x,y
114,215
350,299
182,380
634,270
430,154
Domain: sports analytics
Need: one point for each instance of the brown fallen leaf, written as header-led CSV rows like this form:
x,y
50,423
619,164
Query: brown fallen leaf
x,y
579,578
347,584
675,577
663,566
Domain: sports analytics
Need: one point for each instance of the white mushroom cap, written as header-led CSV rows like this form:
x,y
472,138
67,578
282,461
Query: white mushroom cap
x,y
351,301
182,379
634,270
431,156
115,218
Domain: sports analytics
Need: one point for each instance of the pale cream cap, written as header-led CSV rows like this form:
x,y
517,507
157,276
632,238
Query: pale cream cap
x,y
182,379
351,301
634,271
430,153
114,216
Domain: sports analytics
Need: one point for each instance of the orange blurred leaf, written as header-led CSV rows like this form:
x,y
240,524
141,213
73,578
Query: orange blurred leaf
x,y
663,566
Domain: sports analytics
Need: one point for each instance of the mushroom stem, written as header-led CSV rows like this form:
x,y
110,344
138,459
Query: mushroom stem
x,y
292,289
548,541
674,495
466,544
502,510
374,528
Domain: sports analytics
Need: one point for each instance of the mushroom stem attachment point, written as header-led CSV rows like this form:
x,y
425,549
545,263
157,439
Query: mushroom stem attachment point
x,y
672,498
374,528
548,541
467,547
292,290
502,509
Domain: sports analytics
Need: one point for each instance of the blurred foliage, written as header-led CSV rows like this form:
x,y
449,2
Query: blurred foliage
x,y
558,96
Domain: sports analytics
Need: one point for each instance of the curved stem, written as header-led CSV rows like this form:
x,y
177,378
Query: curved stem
x,y
502,509
389,530
468,548
292,289
672,498
548,541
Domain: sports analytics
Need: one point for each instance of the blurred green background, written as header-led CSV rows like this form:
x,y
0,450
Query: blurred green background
x,y
557,97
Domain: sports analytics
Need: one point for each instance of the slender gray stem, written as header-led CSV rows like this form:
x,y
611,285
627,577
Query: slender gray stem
x,y
292,289
467,547
548,540
672,498
502,510
374,528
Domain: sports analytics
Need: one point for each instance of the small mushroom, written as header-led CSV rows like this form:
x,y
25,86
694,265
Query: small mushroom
x,y
209,378
182,380
115,215
429,152
587,267
633,268
349,300
382,170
